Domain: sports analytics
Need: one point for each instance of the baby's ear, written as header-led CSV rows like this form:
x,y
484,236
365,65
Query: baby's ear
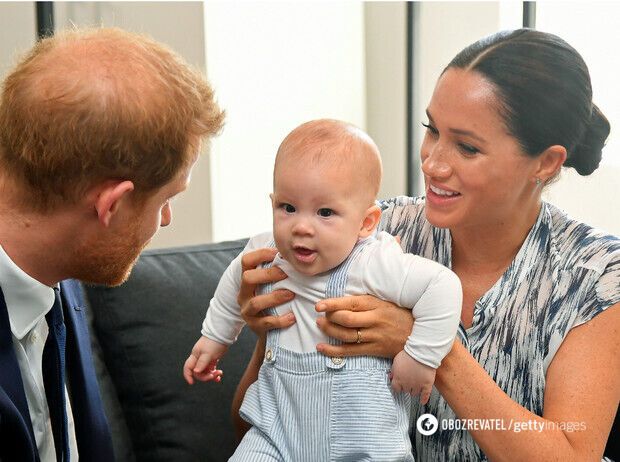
x,y
371,220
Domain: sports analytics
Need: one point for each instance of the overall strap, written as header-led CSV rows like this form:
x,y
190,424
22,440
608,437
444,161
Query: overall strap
x,y
337,282
273,335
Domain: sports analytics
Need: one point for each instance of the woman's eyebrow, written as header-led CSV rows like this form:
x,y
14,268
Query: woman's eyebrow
x,y
467,133
458,131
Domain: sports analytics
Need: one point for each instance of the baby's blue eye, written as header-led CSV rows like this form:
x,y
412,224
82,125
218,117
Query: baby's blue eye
x,y
325,213
288,208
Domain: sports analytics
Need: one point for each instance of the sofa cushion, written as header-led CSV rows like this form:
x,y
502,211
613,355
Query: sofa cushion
x,y
146,328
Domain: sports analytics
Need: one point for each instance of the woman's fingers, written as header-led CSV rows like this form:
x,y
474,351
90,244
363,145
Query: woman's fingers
x,y
252,311
356,303
347,334
262,275
260,302
265,323
252,306
383,331
250,278
383,326
252,259
344,334
346,349
351,319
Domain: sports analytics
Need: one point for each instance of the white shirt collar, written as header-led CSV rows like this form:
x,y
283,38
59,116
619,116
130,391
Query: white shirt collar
x,y
27,299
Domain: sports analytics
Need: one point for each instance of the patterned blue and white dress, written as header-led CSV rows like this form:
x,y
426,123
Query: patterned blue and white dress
x,y
565,274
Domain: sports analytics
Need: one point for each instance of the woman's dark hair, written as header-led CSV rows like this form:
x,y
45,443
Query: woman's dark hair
x,y
545,92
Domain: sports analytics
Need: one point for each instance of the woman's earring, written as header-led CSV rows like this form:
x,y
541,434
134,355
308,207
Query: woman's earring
x,y
538,181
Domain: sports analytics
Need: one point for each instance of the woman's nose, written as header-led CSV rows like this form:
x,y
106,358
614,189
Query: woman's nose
x,y
435,162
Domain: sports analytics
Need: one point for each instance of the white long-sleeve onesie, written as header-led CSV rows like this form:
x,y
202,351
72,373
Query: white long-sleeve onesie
x,y
382,269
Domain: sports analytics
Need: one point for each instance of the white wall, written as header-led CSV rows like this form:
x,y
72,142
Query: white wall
x,y
591,198
275,65
17,32
386,90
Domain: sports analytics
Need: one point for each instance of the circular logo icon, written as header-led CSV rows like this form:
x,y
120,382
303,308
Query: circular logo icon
x,y
427,424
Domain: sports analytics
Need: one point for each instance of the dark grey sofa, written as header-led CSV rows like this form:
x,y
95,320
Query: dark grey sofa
x,y
142,333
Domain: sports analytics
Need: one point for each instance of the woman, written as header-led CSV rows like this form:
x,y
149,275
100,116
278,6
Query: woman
x,y
539,348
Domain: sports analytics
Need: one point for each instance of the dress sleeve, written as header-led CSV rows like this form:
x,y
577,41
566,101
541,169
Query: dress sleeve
x,y
604,293
398,212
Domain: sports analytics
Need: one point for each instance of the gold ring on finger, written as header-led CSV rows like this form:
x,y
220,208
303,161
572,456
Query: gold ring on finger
x,y
359,336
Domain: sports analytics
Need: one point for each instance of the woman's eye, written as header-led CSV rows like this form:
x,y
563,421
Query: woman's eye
x,y
325,213
468,148
288,208
432,130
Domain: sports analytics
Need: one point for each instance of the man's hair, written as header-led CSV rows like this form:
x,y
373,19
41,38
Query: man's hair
x,y
86,106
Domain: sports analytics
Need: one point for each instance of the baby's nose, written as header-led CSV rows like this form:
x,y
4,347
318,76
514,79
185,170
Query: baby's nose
x,y
302,227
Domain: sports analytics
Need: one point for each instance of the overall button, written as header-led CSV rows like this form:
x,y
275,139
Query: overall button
x,y
269,355
337,360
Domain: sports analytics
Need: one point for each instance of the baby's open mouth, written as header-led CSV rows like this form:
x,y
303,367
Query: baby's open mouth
x,y
304,254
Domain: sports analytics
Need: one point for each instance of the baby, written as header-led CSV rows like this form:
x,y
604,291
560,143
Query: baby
x,y
305,406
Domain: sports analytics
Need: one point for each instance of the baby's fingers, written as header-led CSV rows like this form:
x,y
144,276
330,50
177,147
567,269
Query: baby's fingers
x,y
188,367
209,375
397,386
425,394
203,362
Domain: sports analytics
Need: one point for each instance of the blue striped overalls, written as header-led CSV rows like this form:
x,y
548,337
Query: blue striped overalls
x,y
306,407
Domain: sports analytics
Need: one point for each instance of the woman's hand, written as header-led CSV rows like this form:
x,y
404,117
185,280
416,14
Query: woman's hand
x,y
383,326
252,305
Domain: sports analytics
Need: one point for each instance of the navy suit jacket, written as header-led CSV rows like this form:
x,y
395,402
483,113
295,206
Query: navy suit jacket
x,y
17,442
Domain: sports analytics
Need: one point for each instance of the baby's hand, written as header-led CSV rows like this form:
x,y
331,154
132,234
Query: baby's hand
x,y
201,364
412,377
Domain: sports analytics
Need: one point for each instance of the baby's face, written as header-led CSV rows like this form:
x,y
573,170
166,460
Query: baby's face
x,y
317,215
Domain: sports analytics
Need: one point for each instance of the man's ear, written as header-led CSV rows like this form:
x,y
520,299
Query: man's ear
x,y
550,161
371,220
108,197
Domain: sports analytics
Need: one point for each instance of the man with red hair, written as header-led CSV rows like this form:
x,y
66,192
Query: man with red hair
x,y
99,129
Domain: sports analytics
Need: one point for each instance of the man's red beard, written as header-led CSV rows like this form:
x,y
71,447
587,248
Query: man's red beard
x,y
108,261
